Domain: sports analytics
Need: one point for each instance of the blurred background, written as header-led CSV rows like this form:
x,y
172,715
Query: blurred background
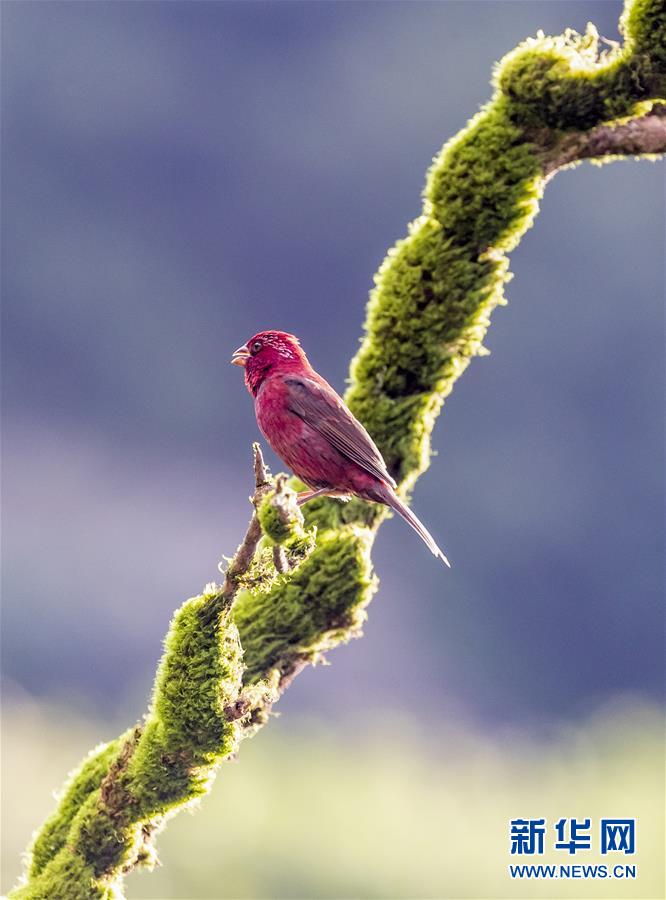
x,y
177,176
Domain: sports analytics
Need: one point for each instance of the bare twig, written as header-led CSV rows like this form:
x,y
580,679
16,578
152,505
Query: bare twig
x,y
248,547
280,559
645,135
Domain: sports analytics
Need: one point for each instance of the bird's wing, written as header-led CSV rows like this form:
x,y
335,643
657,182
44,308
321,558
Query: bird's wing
x,y
322,409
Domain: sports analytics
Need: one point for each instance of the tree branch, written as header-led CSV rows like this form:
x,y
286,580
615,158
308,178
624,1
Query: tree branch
x,y
120,798
557,101
643,136
245,553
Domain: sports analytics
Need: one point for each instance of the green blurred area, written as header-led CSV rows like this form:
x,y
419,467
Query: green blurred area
x,y
385,808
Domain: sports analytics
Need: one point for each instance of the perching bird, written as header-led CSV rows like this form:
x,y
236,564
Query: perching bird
x,y
309,427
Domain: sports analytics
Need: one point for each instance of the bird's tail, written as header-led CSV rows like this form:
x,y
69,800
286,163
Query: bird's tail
x,y
390,498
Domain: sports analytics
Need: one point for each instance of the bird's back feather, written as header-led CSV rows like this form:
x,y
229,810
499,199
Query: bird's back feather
x,y
314,400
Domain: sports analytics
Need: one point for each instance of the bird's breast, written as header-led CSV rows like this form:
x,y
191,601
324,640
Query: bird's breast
x,y
283,430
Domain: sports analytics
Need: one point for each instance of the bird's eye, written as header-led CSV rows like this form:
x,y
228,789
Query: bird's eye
x,y
256,346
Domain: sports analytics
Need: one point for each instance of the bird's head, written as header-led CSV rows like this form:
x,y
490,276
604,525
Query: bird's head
x,y
268,352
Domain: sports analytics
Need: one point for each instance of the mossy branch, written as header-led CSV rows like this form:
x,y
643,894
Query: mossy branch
x,y
126,790
285,597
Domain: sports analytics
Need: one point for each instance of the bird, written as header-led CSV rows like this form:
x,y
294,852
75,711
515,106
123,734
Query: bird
x,y
311,429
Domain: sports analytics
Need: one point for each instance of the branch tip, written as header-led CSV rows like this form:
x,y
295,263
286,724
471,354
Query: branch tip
x,y
261,476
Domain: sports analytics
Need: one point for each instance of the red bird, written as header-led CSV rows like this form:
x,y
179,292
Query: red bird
x,y
309,427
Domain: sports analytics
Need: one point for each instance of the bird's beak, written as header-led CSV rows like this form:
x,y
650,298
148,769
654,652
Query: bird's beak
x,y
240,356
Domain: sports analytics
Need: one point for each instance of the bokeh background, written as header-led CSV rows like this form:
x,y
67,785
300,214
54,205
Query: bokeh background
x,y
177,176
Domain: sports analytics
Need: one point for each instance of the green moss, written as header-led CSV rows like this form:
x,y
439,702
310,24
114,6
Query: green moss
x,y
104,838
123,791
187,731
643,24
556,82
312,609
567,82
282,523
200,673
66,877
279,516
82,782
433,297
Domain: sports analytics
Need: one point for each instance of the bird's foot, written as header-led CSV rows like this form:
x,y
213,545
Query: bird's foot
x,y
304,496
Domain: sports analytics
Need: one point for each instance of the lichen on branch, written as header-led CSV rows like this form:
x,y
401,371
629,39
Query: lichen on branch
x,y
285,599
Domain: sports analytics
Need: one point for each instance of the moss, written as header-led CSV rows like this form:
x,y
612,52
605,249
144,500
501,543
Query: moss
x,y
104,837
123,791
556,82
282,523
566,82
200,673
66,877
273,524
433,297
82,782
187,731
279,516
643,24
310,610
